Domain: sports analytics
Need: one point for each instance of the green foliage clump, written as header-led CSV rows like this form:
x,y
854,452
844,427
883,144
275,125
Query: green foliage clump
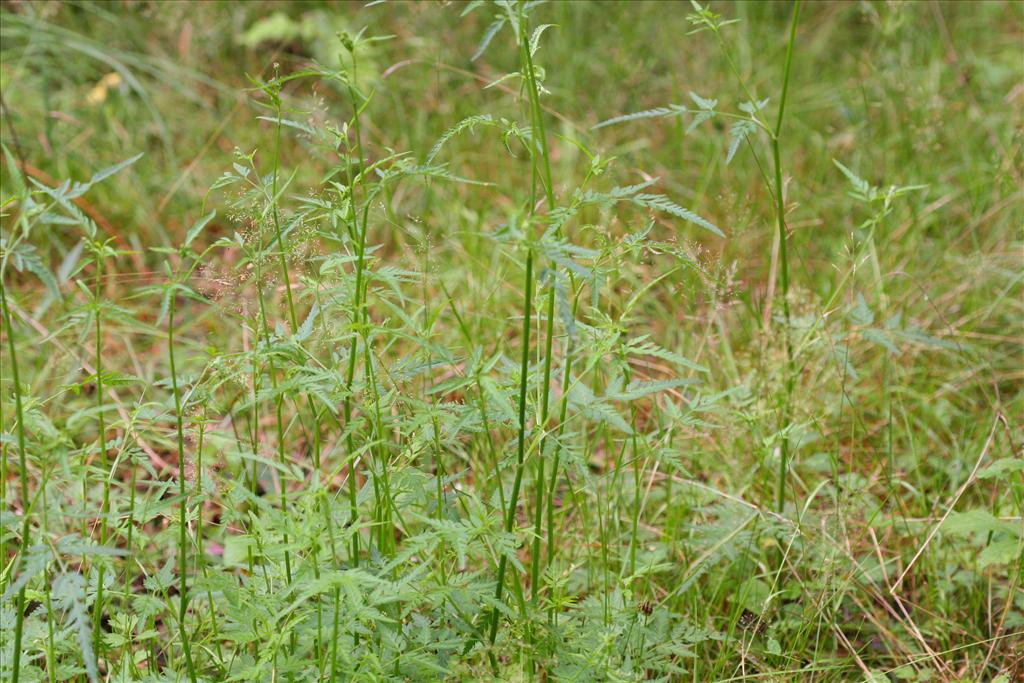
x,y
467,357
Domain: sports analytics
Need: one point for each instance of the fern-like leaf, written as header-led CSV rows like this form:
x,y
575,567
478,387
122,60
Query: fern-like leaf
x,y
657,112
663,203
738,132
468,123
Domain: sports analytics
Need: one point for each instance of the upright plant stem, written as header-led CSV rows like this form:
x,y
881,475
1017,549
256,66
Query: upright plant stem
x,y
183,493
19,608
539,142
277,229
51,655
524,367
562,412
279,400
542,425
358,232
129,542
105,506
780,211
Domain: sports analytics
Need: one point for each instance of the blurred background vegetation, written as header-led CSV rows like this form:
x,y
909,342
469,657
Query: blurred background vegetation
x,y
901,92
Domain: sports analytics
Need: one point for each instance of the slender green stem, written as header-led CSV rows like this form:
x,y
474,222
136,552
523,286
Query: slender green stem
x,y
279,239
51,653
200,543
183,493
130,537
279,424
539,482
278,400
385,537
349,380
780,211
789,63
562,412
524,368
286,274
19,608
334,633
756,116
105,506
540,141
357,318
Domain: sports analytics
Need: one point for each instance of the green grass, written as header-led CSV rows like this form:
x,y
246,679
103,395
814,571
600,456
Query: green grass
x,y
562,341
